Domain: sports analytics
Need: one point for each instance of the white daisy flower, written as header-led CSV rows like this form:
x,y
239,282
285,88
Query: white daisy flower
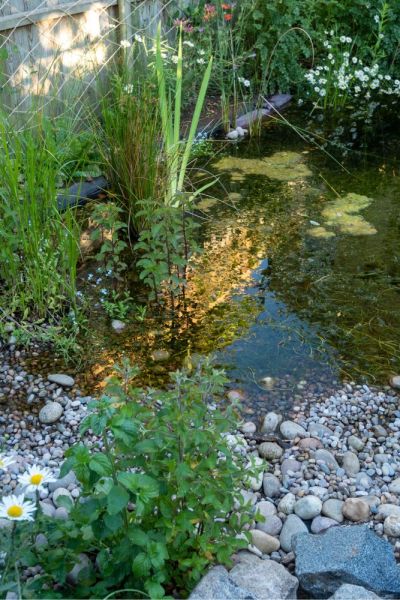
x,y
35,478
138,38
16,508
5,461
125,44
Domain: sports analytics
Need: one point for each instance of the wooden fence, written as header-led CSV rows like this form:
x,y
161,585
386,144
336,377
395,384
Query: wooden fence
x,y
49,47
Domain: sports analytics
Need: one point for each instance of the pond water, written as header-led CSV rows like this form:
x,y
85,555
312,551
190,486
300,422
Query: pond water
x,y
299,281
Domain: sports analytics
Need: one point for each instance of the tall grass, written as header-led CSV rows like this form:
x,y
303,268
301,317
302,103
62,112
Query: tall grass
x,y
39,247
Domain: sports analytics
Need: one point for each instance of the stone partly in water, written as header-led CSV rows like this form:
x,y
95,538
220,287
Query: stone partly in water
x,y
160,355
217,584
395,382
50,413
264,579
354,555
117,325
61,379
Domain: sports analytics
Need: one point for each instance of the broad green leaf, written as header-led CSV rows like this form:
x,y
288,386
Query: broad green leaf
x,y
117,499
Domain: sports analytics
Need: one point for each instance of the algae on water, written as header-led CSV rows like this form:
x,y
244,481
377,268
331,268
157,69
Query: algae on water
x,y
342,214
283,166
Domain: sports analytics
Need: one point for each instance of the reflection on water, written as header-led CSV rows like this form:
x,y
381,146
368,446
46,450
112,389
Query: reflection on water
x,y
299,278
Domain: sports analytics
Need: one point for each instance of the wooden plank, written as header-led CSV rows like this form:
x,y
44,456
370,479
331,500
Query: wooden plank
x,y
21,19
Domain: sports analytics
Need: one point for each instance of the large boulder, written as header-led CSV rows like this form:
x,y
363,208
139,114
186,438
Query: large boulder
x,y
265,579
217,584
354,555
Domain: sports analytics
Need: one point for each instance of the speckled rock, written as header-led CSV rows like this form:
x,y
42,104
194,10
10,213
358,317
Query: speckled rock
x,y
291,527
391,526
50,413
356,509
308,507
347,554
353,592
265,579
291,430
216,583
271,422
61,379
270,450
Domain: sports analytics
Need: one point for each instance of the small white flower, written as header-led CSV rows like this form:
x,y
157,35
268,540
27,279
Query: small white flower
x,y
104,292
322,92
300,102
175,59
128,88
187,43
330,56
125,44
343,38
376,18
332,32
35,478
5,461
246,83
349,40
200,61
16,508
354,60
202,52
138,38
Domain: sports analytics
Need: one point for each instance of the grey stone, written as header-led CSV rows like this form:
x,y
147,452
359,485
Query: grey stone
x,y
353,592
249,427
351,464
160,355
286,504
310,443
355,443
356,509
395,382
271,485
50,413
270,450
391,526
217,584
263,541
265,579
386,510
61,379
83,563
68,479
291,430
345,554
291,527
272,525
308,507
326,457
290,464
47,509
265,508
60,493
319,430
394,487
320,524
117,325
271,422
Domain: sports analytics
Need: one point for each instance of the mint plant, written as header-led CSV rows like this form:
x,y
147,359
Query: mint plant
x,y
158,490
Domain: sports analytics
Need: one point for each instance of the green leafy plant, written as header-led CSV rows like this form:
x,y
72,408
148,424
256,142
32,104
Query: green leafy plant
x,y
108,230
160,491
118,305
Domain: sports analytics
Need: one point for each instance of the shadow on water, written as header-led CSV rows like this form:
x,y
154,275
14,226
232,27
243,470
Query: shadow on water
x,y
299,280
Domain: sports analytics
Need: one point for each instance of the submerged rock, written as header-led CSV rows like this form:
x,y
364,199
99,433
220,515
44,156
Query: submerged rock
x,y
354,555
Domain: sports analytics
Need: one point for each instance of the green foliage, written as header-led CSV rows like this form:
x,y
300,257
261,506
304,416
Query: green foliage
x,y
118,305
109,228
39,247
158,491
165,249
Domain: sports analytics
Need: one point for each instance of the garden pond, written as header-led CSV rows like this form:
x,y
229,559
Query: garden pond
x,y
298,282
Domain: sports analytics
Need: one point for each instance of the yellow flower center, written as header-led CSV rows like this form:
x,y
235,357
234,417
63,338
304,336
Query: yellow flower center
x,y
14,511
36,479
1,464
